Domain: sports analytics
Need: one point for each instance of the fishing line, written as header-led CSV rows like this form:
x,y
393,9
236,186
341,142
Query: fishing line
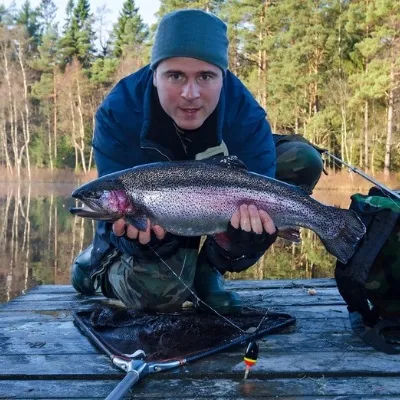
x,y
210,307
195,295
385,190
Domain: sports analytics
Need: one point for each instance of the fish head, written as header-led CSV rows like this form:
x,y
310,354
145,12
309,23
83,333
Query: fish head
x,y
103,199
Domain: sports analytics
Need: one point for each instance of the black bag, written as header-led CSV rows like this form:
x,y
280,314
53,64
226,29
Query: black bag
x,y
370,281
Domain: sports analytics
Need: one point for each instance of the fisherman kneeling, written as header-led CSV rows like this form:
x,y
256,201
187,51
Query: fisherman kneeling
x,y
185,105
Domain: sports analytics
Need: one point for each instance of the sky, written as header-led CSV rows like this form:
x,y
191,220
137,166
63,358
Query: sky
x,y
147,8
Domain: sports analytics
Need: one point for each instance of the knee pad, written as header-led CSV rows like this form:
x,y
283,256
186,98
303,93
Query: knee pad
x,y
298,163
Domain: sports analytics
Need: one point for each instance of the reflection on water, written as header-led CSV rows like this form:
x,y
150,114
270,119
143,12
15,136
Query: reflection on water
x,y
39,240
38,237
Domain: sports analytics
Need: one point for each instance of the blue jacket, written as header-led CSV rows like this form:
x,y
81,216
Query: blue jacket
x,y
129,132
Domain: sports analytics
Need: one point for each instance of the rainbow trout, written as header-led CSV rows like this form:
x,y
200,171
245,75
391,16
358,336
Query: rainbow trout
x,y
193,198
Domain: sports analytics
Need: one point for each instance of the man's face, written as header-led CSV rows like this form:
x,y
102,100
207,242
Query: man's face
x,y
188,90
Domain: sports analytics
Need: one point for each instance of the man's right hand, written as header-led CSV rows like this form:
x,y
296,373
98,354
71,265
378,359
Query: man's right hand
x,y
120,228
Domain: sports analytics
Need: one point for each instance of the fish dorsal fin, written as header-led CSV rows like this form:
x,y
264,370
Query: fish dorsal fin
x,y
226,162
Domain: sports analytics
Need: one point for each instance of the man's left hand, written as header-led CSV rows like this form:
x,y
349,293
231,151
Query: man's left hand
x,y
250,219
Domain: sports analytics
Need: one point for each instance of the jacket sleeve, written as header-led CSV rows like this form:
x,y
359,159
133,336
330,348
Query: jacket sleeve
x,y
111,155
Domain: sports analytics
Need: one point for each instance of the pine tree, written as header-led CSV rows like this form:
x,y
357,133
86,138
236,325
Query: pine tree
x,y
129,32
167,6
28,17
79,36
69,10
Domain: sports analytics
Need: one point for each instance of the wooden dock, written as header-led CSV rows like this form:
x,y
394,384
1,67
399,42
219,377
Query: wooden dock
x,y
44,356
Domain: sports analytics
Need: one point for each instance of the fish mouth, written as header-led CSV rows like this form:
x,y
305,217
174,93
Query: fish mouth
x,y
87,212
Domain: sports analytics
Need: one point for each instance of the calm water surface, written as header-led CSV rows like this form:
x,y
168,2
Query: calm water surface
x,y
40,239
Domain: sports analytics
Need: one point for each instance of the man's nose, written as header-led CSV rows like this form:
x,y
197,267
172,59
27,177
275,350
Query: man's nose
x,y
190,91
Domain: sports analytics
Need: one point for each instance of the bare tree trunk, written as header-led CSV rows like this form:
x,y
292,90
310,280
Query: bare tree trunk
x,y
93,111
27,235
50,222
388,147
366,134
5,219
372,164
345,149
15,141
55,113
81,146
3,134
10,103
50,141
71,103
20,54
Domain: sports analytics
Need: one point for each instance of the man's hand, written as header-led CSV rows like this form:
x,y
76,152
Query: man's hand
x,y
249,218
120,227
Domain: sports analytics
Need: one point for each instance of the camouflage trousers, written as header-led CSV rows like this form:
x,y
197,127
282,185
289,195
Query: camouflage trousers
x,y
153,286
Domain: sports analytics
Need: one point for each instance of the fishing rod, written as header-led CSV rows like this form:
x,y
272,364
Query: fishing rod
x,y
364,175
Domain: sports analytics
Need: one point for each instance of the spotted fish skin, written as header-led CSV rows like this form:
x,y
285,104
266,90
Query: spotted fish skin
x,y
193,198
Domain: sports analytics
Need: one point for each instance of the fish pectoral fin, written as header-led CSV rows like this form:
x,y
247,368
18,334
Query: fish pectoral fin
x,y
290,233
226,162
139,221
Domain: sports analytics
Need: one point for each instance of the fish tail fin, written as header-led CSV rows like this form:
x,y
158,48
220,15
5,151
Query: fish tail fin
x,y
344,244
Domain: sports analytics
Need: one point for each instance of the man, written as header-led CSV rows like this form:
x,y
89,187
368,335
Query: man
x,y
184,105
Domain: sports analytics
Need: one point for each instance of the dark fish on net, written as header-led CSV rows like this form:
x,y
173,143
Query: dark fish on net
x,y
194,198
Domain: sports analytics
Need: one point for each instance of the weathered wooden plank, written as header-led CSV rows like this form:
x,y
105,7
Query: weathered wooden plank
x,y
54,338
299,311
17,317
226,365
157,386
21,326
257,300
322,295
63,337
289,343
230,283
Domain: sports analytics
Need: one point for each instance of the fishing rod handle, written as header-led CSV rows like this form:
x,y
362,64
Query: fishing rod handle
x,y
124,386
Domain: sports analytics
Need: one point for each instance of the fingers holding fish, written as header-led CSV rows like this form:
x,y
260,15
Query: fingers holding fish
x,y
119,227
245,223
250,218
267,222
235,220
255,220
159,232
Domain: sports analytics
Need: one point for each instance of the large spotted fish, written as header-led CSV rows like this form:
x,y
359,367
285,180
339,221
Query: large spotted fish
x,y
193,198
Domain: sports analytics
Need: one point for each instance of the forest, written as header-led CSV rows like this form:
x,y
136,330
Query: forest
x,y
326,69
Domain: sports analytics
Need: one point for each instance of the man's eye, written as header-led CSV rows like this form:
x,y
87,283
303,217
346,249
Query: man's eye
x,y
175,77
205,77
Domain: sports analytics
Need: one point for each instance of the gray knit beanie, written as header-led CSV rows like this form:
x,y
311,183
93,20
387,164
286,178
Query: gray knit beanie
x,y
191,33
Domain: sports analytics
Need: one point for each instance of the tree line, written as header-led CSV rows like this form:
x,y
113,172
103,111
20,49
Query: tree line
x,y
326,69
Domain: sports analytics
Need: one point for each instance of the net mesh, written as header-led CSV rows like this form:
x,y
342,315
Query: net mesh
x,y
177,335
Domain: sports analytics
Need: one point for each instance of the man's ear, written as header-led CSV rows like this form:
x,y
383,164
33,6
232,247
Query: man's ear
x,y
155,78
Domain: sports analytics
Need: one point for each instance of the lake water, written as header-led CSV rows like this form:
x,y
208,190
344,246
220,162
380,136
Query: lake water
x,y
40,239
